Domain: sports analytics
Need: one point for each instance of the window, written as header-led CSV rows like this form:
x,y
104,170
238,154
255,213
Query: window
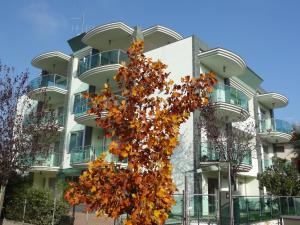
x,y
279,149
76,140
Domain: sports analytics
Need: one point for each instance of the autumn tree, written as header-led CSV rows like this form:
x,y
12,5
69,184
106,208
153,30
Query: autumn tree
x,y
26,127
144,126
281,178
235,143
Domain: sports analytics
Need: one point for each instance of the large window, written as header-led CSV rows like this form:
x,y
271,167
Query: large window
x,y
76,140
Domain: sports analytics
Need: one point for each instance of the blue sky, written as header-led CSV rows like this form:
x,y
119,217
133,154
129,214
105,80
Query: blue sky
x,y
266,33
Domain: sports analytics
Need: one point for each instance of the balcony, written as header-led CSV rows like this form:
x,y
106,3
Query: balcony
x,y
108,36
81,156
81,114
230,104
273,100
275,131
53,86
267,163
53,62
225,63
212,155
47,163
98,68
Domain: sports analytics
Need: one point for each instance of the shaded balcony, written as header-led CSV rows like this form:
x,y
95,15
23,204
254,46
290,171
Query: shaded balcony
x,y
53,62
275,130
273,100
230,103
81,156
98,68
52,86
49,162
224,62
209,154
81,114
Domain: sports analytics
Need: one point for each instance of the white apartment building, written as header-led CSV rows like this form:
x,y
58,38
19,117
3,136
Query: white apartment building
x,y
95,58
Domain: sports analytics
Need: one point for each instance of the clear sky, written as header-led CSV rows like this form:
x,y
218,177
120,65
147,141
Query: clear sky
x,y
265,33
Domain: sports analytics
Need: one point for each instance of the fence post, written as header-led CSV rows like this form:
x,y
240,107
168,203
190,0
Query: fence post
x,y
271,205
54,205
24,210
247,209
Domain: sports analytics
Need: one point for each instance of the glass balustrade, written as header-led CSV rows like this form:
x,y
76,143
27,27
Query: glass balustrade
x,y
51,80
101,59
208,153
228,94
51,160
275,125
85,154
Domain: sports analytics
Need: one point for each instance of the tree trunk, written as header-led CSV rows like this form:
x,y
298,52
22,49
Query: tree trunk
x,y
2,194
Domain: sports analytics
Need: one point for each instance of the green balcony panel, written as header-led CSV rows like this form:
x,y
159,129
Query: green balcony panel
x,y
51,80
275,125
227,94
86,154
102,59
52,160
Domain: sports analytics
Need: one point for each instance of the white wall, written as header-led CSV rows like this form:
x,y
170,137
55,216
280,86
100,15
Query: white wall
x,y
178,56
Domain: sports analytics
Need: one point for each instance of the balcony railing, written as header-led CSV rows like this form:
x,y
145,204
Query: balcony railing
x,y
52,160
82,106
267,163
228,94
56,119
101,59
51,80
275,125
85,154
210,154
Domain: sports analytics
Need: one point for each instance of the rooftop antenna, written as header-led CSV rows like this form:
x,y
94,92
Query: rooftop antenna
x,y
82,27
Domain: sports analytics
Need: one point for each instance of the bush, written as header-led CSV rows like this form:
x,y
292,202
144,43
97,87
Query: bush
x,y
39,207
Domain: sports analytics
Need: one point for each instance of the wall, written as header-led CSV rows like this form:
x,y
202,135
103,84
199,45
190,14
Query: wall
x,y
178,57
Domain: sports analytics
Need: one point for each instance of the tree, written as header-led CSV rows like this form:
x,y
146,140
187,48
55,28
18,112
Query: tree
x,y
280,179
235,143
144,125
26,127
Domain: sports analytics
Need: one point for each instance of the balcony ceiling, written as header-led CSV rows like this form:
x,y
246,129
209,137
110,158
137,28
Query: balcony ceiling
x,y
109,36
273,100
276,137
230,112
158,36
54,62
56,95
99,75
223,62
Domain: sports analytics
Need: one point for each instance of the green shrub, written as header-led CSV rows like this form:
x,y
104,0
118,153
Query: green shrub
x,y
39,207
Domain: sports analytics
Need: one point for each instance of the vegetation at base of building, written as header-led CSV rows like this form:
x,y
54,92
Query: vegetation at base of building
x,y
38,209
144,126
280,179
27,128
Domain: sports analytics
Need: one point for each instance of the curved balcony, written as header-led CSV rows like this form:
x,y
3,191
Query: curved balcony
x,y
275,131
53,86
47,163
230,104
223,62
273,100
157,36
81,156
108,36
98,68
53,62
81,114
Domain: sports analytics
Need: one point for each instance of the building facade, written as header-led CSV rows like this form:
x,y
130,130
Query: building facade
x,y
95,58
